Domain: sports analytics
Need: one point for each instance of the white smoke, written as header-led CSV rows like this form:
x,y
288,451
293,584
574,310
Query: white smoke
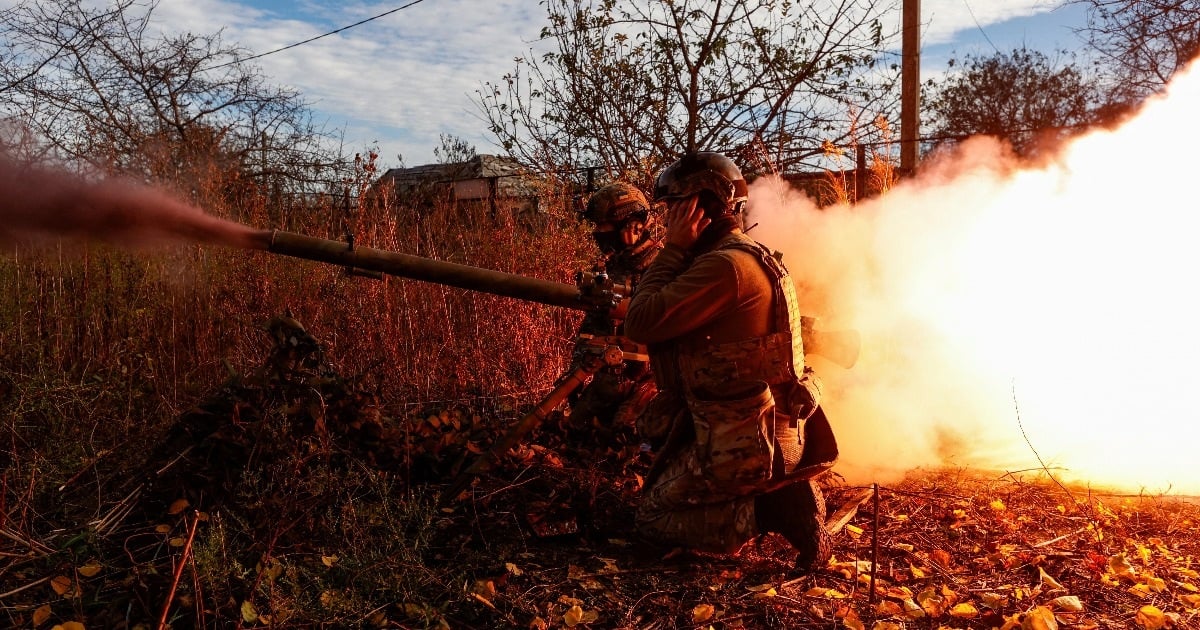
x,y
1014,316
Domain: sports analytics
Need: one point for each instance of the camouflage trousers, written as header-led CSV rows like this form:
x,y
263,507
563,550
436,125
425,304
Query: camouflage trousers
x,y
680,509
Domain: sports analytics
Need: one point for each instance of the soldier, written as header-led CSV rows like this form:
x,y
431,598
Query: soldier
x,y
624,231
742,435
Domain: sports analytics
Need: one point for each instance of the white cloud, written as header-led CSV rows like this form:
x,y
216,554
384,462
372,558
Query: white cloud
x,y
401,79
404,78
943,20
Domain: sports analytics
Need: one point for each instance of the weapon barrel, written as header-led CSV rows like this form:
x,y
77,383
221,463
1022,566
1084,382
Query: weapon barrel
x,y
427,269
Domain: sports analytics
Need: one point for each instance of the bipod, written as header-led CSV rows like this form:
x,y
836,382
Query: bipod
x,y
488,460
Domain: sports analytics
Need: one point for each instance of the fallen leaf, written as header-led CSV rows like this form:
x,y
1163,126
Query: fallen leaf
x,y
90,569
702,613
61,585
178,506
249,614
1069,603
1151,618
1119,566
964,611
329,561
1048,581
573,616
70,625
41,615
1040,618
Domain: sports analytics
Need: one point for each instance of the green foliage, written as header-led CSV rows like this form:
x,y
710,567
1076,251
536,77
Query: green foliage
x,y
1022,96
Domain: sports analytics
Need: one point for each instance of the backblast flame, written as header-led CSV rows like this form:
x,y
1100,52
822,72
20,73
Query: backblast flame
x,y
1017,317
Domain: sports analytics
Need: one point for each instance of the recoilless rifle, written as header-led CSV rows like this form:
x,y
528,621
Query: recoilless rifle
x,y
592,293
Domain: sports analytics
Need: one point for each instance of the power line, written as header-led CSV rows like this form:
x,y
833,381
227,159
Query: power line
x,y
313,39
979,26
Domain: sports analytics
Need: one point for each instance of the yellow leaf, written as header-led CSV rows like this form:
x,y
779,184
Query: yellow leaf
x,y
1140,590
964,611
90,569
760,588
1069,603
61,585
1048,581
70,625
916,572
885,625
932,603
329,561
903,547
998,505
573,616
1151,618
512,568
1119,566
888,608
1191,601
178,506
995,601
767,593
41,615
1155,584
912,610
1040,618
702,613
249,614
855,532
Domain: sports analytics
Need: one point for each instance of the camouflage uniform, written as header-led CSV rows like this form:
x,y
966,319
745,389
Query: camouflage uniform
x,y
737,414
615,395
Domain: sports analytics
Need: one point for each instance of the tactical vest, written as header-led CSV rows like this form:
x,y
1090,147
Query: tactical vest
x,y
728,390
776,358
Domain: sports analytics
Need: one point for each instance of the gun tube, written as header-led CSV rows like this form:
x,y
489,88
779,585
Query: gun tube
x,y
841,347
427,269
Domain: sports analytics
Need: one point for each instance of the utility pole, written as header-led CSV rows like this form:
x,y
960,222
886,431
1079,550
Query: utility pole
x,y
910,85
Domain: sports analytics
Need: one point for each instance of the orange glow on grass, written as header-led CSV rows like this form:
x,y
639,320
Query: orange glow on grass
x,y
1015,315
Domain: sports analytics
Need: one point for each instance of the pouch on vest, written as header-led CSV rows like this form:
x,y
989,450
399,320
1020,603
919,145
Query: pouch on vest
x,y
734,437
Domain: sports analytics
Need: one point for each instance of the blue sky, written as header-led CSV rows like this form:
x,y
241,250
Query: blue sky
x,y
405,78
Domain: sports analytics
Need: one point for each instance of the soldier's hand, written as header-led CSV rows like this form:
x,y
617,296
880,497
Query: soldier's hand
x,y
685,221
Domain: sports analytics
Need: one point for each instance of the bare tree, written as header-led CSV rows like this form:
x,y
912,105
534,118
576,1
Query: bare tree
x,y
1022,96
98,86
1144,42
453,149
631,84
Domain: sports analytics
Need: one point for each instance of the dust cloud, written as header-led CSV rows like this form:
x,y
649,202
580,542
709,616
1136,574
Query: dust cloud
x,y
38,203
1016,318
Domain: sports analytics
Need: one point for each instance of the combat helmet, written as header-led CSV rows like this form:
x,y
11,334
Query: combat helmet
x,y
615,203
704,171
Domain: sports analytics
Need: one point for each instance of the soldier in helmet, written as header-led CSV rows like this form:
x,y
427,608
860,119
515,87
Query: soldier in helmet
x,y
737,416
624,231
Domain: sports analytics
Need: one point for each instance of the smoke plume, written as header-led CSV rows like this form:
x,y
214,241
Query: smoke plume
x,y
1015,317
37,203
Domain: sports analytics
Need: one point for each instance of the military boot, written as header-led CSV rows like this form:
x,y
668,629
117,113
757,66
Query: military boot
x,y
797,511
